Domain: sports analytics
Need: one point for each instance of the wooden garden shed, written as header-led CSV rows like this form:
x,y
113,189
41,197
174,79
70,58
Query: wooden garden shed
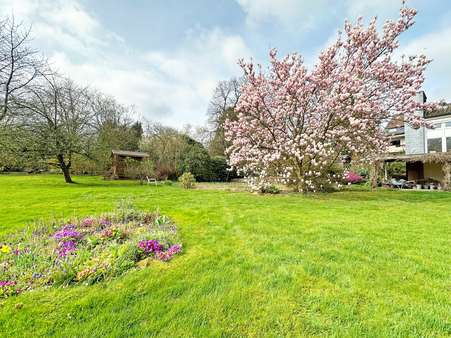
x,y
118,161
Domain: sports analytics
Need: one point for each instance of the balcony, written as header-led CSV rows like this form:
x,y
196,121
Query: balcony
x,y
396,149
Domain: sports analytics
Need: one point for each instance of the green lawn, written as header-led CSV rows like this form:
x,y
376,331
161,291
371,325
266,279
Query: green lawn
x,y
354,263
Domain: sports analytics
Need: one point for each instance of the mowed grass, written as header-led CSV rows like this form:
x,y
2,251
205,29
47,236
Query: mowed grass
x,y
355,263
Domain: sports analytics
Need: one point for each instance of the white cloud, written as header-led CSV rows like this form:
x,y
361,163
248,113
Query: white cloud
x,y
172,87
434,45
293,15
59,23
370,8
304,15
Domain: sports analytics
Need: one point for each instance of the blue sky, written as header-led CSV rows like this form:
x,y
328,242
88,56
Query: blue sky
x,y
165,57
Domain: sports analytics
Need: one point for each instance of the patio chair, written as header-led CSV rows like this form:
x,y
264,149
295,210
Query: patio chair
x,y
397,184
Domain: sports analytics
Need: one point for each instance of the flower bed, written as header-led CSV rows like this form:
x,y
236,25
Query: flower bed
x,y
85,250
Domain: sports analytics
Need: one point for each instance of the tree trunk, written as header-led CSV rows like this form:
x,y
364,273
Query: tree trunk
x,y
65,168
447,176
374,174
66,173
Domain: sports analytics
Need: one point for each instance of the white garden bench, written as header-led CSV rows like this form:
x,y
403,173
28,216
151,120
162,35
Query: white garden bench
x,y
151,180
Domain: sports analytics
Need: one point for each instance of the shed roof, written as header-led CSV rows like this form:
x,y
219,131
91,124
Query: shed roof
x,y
129,153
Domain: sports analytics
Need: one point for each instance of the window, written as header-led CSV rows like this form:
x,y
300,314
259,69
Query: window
x,y
448,124
448,144
434,145
396,143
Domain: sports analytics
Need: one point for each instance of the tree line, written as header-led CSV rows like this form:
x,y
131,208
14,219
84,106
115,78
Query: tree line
x,y
49,121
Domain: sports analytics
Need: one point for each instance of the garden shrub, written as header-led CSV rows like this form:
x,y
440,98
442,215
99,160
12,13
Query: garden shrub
x,y
187,180
270,189
396,169
85,250
195,160
352,177
220,170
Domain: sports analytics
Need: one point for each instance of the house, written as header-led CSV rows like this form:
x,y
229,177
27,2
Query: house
x,y
426,150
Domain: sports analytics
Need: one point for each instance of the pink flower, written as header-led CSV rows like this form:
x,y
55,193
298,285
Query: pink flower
x,y
5,283
87,222
165,256
352,177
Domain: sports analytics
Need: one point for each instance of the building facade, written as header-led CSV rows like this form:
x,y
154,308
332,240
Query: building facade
x,y
425,149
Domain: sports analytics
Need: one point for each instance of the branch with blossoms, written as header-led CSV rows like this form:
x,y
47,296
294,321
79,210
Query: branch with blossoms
x,y
294,124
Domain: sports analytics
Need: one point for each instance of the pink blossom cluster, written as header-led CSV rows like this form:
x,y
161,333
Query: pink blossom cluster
x,y
294,123
87,222
352,177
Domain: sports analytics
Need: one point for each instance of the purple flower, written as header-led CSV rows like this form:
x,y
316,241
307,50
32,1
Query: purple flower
x,y
175,249
66,247
165,256
104,222
68,231
149,246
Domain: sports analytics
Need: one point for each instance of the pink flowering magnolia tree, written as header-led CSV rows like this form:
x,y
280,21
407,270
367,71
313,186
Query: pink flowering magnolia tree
x,y
294,124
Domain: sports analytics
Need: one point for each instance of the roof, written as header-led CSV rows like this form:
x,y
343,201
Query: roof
x,y
395,122
425,158
443,110
129,153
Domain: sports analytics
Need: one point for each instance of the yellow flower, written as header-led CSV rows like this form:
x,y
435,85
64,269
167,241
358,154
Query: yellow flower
x,y
5,249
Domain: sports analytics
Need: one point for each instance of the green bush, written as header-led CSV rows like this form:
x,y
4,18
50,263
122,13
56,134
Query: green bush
x,y
174,153
187,180
396,169
271,189
219,170
195,160
206,168
364,172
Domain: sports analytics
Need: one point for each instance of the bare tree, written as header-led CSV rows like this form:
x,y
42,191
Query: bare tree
x,y
225,96
107,111
115,128
58,113
199,133
20,64
222,107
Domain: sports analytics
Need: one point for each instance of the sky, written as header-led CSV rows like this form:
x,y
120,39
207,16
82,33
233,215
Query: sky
x,y
165,57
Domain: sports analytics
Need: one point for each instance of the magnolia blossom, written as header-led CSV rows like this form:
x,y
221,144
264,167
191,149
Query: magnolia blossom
x,y
294,124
